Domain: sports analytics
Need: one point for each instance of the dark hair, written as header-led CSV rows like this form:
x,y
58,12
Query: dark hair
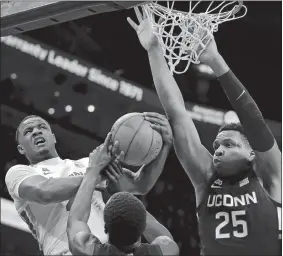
x,y
125,219
26,118
235,127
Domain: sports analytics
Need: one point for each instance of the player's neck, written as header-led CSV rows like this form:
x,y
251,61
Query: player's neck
x,y
44,157
127,248
238,176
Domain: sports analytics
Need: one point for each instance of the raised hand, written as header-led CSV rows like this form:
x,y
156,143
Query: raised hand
x,y
144,30
102,156
113,173
210,53
161,124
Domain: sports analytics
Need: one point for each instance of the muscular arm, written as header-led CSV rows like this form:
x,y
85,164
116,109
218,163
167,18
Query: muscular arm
x,y
52,190
258,133
79,235
23,182
154,229
156,233
187,142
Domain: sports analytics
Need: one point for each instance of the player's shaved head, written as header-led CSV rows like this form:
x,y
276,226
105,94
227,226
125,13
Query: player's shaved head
x,y
125,219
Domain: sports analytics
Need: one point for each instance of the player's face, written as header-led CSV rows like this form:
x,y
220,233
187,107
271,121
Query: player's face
x,y
35,138
231,155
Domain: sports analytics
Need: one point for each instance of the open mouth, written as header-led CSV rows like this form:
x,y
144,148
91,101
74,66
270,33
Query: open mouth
x,y
39,141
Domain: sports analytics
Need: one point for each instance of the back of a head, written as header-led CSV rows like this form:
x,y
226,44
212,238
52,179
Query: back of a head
x,y
125,219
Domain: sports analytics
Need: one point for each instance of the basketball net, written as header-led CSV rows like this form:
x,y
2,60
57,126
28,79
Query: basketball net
x,y
183,36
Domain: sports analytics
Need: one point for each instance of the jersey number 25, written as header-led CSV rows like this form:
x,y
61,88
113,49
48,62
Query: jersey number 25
x,y
240,226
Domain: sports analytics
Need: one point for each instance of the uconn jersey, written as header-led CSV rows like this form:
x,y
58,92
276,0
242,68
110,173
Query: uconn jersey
x,y
239,218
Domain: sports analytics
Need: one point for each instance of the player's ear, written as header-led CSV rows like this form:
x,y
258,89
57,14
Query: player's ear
x,y
21,149
54,138
252,155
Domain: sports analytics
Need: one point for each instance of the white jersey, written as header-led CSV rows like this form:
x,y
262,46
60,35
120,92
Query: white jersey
x,y
48,222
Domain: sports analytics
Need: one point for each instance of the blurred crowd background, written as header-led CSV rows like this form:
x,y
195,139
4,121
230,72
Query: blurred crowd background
x,y
84,74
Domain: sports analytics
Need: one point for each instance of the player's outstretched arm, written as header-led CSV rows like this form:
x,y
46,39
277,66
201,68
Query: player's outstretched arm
x,y
22,182
156,233
259,135
80,239
187,143
154,229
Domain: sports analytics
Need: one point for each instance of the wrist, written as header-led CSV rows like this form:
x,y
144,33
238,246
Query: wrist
x,y
218,65
154,48
167,145
94,170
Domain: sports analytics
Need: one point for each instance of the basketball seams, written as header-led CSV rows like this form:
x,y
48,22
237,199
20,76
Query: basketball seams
x,y
152,137
133,138
123,122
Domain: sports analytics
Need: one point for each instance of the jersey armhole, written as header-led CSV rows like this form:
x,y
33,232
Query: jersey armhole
x,y
274,202
264,190
210,182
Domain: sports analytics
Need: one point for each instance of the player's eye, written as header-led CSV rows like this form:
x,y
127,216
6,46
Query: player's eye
x,y
27,132
42,126
229,145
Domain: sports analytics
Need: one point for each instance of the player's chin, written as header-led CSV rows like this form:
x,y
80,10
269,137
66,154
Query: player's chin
x,y
222,169
42,150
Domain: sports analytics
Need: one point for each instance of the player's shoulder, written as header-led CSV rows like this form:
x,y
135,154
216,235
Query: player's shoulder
x,y
81,163
86,243
166,245
19,168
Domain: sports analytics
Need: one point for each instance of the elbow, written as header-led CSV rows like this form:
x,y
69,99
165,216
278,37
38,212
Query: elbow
x,y
142,187
44,196
141,190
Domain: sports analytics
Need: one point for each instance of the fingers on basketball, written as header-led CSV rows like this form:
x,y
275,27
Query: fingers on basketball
x,y
114,172
115,163
107,141
115,148
111,176
156,120
155,115
120,156
157,127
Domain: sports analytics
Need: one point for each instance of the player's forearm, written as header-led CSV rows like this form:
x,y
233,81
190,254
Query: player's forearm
x,y
249,114
81,206
55,190
154,229
165,84
147,176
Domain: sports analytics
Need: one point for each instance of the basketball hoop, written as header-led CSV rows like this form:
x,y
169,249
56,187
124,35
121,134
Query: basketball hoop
x,y
183,36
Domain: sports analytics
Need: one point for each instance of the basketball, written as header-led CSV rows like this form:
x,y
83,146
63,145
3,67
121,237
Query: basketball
x,y
140,143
